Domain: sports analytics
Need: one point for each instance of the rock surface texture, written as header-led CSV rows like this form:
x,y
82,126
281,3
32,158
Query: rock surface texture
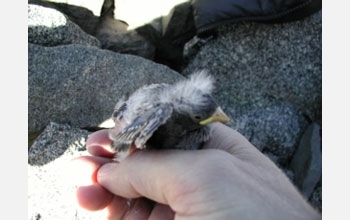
x,y
49,27
80,85
269,81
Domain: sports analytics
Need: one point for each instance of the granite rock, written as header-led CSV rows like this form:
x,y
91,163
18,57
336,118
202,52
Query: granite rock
x,y
269,79
307,160
51,179
159,40
254,60
271,125
54,141
316,198
112,34
80,14
49,27
80,85
94,6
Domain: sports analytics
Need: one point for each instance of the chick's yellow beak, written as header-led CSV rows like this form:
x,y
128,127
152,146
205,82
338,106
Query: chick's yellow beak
x,y
218,116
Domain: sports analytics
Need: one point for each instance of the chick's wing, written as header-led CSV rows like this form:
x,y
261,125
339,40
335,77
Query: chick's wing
x,y
143,126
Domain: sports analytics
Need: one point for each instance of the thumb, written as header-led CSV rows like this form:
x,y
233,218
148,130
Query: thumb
x,y
169,177
144,174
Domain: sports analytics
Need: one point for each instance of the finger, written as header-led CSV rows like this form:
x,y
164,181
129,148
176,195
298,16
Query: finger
x,y
93,197
99,144
121,208
90,195
161,212
83,170
135,209
162,176
231,141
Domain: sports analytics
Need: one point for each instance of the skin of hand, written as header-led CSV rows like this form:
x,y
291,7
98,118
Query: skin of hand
x,y
228,179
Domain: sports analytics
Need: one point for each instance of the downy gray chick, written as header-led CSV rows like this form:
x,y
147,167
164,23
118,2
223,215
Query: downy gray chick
x,y
164,116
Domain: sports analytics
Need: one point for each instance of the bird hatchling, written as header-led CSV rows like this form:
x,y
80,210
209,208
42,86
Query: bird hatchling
x,y
164,116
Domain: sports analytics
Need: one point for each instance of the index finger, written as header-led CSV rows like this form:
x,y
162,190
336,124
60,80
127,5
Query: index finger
x,y
234,143
173,177
229,140
99,144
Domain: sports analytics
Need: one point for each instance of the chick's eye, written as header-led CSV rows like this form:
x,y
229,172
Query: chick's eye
x,y
197,117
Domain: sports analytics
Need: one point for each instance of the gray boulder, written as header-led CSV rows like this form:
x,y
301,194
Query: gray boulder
x,y
79,13
49,27
80,85
111,33
316,198
269,79
271,125
307,161
51,180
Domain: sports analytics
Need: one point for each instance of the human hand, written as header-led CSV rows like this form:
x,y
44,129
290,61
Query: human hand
x,y
228,179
